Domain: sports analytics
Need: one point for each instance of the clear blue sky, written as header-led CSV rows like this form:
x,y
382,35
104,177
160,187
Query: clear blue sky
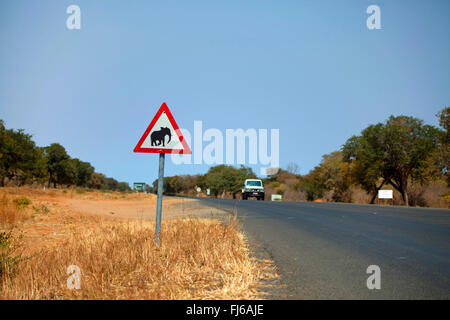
x,y
309,68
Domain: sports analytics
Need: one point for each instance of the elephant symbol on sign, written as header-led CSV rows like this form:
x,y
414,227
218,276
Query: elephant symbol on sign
x,y
159,137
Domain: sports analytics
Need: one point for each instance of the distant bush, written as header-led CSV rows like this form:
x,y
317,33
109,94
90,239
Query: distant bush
x,y
274,184
446,199
22,202
293,195
41,210
358,195
431,195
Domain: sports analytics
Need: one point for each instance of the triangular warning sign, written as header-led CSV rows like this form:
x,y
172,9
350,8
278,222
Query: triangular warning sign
x,y
163,135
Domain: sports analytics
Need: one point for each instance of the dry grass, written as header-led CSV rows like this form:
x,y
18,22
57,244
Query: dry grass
x,y
118,259
358,195
431,195
12,211
76,193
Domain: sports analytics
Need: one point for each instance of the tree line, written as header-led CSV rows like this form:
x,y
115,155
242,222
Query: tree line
x,y
399,153
221,180
22,162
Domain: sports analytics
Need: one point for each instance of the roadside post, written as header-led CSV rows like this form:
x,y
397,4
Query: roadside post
x,y
159,199
162,136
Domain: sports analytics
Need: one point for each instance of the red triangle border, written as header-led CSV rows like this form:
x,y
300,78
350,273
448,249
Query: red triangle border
x,y
163,108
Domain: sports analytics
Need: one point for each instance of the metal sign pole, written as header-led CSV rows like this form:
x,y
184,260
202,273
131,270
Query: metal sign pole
x,y
160,196
153,141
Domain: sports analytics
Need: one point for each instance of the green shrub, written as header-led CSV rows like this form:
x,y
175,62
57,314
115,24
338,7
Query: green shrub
x,y
8,257
41,209
274,184
22,202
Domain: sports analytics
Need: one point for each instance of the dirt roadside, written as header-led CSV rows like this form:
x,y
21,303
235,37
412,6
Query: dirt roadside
x,y
55,214
142,209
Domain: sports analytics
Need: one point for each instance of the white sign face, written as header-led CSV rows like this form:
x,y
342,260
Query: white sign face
x,y
199,189
162,135
276,197
385,194
208,192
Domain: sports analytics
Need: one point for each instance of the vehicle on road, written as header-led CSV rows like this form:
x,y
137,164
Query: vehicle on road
x,y
253,188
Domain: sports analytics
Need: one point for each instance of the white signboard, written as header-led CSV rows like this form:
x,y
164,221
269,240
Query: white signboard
x,y
276,197
385,194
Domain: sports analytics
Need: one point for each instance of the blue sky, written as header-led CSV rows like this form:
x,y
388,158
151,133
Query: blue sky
x,y
311,69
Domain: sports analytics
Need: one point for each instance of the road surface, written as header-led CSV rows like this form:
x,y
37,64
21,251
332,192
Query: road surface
x,y
323,250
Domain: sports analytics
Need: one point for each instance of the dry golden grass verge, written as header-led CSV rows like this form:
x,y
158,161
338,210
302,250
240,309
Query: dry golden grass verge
x,y
118,259
76,193
13,210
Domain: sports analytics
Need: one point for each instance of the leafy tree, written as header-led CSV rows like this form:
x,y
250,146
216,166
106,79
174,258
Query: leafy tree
x,y
96,181
365,156
223,178
60,169
201,182
149,189
109,183
312,185
20,159
39,171
183,184
23,162
394,152
84,171
69,174
333,175
442,156
214,180
444,120
190,183
123,187
174,185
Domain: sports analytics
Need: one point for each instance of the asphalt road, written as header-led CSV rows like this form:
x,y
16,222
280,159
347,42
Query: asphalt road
x,y
323,250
